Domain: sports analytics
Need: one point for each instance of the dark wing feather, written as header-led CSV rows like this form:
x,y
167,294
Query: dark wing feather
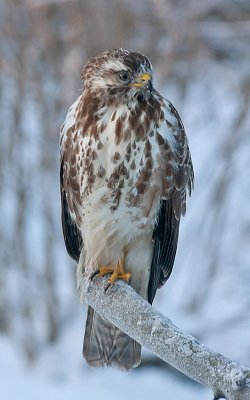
x,y
165,237
166,232
72,235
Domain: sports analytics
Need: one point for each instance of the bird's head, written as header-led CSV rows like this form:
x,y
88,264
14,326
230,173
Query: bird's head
x,y
119,72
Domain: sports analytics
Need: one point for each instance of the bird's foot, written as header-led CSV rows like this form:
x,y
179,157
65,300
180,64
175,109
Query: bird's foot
x,y
116,271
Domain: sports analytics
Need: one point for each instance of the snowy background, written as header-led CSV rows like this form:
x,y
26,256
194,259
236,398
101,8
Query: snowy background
x,y
201,56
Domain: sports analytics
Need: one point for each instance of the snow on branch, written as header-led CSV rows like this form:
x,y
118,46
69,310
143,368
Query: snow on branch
x,y
122,306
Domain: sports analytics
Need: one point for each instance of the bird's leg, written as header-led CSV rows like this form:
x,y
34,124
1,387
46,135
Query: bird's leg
x,y
116,270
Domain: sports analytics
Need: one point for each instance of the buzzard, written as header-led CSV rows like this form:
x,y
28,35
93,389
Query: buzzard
x,y
125,171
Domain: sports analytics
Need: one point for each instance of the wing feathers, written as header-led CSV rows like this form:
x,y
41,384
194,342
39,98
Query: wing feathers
x,y
165,237
166,230
71,233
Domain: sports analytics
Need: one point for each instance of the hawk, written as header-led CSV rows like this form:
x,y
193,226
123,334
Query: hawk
x,y
125,171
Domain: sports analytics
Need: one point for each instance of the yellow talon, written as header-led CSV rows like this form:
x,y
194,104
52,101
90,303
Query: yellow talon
x,y
105,270
116,270
115,276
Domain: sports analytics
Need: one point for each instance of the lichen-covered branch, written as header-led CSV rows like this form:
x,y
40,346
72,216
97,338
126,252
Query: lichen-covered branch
x,y
122,306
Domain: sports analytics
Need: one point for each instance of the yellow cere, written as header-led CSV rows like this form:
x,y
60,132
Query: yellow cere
x,y
142,80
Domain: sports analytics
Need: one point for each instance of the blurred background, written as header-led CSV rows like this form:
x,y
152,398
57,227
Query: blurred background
x,y
200,51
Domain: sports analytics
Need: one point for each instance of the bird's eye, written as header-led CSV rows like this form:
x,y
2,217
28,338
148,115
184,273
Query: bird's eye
x,y
124,76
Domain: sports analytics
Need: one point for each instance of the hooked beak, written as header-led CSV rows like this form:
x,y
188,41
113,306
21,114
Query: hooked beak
x,y
144,80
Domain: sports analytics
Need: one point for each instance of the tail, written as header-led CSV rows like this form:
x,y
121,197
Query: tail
x,y
104,344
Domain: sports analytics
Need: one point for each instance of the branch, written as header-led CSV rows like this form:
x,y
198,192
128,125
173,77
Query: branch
x,y
122,306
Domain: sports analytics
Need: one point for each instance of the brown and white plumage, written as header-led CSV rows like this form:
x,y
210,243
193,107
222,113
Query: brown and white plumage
x,y
125,169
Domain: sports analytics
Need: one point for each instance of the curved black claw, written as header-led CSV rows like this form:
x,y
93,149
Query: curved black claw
x,y
94,274
106,287
112,283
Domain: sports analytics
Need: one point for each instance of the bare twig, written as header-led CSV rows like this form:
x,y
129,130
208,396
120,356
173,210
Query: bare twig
x,y
122,306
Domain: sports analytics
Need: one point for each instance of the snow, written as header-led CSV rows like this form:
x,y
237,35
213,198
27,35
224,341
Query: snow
x,y
61,374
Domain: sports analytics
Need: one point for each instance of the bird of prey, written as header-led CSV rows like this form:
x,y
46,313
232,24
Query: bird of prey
x,y
125,171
